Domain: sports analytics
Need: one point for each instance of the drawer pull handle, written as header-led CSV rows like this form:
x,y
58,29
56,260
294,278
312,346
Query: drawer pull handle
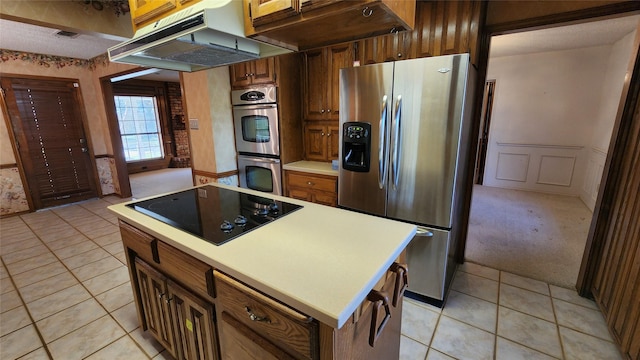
x,y
310,183
379,299
255,317
402,281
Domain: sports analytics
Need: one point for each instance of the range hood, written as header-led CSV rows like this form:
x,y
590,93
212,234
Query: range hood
x,y
207,34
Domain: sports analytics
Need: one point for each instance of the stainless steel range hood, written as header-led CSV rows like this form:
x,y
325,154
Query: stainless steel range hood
x,y
207,34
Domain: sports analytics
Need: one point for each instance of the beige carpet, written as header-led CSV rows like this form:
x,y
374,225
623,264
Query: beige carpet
x,y
159,182
540,236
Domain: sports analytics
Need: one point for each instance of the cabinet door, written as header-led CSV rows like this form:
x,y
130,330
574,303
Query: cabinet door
x,y
194,324
339,56
315,84
142,10
325,199
315,142
263,71
154,298
266,11
299,194
333,142
240,74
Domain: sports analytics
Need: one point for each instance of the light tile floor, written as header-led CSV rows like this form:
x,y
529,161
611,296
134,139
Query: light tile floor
x,y
65,294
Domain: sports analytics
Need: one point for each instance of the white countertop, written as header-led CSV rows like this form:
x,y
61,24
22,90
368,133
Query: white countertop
x,y
320,260
315,167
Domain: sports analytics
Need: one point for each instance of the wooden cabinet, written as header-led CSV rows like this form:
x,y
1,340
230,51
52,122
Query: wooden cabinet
x,y
153,294
321,141
317,188
144,12
268,11
255,72
308,24
243,323
253,323
322,81
176,314
194,324
442,28
379,49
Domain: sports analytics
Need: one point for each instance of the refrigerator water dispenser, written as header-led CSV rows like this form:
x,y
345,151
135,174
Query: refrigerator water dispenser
x,y
356,146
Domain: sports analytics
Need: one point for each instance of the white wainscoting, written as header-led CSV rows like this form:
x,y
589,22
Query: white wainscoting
x,y
593,176
557,169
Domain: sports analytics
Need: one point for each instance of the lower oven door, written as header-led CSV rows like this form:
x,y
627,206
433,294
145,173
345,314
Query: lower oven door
x,y
261,174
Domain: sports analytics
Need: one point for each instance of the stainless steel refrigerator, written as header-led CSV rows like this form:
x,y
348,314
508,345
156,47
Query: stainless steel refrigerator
x,y
403,149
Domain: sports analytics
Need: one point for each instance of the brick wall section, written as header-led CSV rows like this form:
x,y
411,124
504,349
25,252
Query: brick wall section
x,y
180,135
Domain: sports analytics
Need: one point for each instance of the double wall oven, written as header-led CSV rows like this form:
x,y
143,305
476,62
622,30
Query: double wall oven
x,y
255,118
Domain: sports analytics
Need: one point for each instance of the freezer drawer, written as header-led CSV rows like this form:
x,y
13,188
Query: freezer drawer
x,y
427,256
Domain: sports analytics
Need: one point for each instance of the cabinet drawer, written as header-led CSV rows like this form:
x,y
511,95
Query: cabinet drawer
x,y
312,182
191,272
292,331
144,245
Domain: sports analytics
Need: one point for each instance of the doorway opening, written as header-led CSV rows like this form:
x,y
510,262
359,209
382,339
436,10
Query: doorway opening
x,y
552,117
146,119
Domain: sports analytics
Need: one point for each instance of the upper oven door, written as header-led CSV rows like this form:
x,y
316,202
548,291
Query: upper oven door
x,y
256,128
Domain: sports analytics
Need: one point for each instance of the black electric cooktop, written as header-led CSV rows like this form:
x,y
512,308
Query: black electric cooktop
x,y
214,214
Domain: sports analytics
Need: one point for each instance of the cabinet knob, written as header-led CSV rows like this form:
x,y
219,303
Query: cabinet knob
x,y
310,183
329,110
322,111
255,317
322,134
399,55
246,75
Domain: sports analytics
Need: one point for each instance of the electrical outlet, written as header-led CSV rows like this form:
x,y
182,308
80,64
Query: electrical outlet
x,y
193,124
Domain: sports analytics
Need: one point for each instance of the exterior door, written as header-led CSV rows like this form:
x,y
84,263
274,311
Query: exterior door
x,y
54,153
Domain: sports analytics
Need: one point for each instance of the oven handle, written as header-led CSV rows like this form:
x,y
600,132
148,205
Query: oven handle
x,y
256,107
259,159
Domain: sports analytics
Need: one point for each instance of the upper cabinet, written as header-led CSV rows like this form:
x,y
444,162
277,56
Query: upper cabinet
x,y
307,24
260,71
143,12
442,28
322,67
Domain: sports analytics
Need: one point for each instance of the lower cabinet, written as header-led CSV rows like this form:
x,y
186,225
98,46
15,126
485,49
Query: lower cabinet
x,y
174,295
321,189
253,325
179,320
154,297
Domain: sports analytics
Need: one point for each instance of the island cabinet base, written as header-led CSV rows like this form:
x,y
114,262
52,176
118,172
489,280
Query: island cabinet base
x,y
197,312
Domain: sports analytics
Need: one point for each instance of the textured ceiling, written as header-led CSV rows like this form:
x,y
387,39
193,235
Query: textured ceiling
x,y
596,33
43,40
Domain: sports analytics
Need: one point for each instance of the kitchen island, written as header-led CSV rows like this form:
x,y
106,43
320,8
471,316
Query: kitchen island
x,y
333,278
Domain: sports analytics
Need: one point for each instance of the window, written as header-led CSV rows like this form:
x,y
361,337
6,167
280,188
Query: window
x,y
139,127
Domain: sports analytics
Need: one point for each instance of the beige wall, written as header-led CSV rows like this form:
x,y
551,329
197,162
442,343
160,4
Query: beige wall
x,y
196,93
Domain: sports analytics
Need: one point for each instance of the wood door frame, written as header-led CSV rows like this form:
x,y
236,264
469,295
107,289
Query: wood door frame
x,y
600,222
85,128
484,128
114,134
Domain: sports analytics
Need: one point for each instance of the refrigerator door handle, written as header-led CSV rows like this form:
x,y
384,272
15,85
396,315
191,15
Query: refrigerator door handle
x,y
395,159
423,232
382,159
